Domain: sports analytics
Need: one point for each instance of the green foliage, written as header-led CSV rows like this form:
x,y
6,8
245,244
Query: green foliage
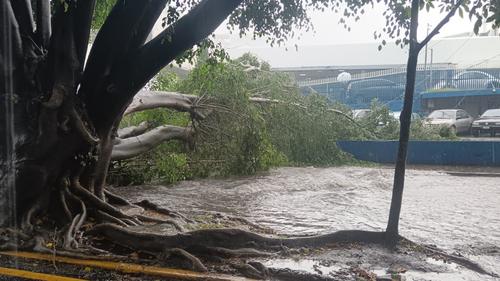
x,y
297,129
168,162
240,136
102,9
380,121
165,81
385,126
232,139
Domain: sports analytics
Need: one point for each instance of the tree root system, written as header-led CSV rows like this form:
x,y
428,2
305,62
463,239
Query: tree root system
x,y
115,229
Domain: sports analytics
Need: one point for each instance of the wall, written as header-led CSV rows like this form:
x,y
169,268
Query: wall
x,y
456,153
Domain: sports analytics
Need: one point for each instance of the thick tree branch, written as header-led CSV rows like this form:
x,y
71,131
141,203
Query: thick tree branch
x,y
438,27
134,146
133,131
126,27
144,27
195,26
155,99
128,78
83,20
261,100
63,59
43,23
24,16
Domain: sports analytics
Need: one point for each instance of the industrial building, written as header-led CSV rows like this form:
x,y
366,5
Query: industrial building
x,y
466,75
461,71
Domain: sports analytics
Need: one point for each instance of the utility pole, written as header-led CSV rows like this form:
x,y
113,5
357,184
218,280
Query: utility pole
x,y
425,60
430,75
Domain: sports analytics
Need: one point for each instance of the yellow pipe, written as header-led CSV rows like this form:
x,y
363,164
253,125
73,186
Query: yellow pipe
x,y
130,268
34,275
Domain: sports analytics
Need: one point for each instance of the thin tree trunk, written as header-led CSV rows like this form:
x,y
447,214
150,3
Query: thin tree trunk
x,y
404,134
392,231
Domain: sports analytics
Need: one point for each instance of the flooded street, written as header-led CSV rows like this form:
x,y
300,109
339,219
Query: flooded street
x,y
453,212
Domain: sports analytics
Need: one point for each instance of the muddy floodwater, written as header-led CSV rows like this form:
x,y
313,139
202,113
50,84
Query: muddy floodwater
x,y
454,212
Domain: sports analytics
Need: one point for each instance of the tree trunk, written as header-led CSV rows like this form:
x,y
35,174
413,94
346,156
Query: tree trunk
x,y
392,230
60,118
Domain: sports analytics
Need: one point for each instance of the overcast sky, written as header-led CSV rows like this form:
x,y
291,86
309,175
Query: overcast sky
x,y
328,31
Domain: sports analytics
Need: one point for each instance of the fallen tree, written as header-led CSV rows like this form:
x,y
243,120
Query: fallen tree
x,y
136,140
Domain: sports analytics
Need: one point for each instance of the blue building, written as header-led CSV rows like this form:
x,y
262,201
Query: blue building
x,y
436,87
455,72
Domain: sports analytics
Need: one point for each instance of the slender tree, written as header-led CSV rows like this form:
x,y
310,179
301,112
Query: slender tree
x,y
405,119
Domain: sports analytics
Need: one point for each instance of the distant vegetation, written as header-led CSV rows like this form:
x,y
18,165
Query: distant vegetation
x,y
241,137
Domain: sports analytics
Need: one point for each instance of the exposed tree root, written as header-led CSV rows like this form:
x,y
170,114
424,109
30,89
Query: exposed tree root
x,y
249,271
232,253
233,246
102,216
116,199
193,262
146,204
98,203
440,254
236,243
183,249
227,238
174,223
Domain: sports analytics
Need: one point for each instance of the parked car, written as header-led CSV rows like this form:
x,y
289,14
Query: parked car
x,y
488,122
470,80
397,114
458,120
360,113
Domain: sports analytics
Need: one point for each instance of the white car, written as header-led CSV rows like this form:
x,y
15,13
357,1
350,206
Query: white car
x,y
397,114
470,80
360,113
458,120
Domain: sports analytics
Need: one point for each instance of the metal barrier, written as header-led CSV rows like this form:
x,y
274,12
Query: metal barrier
x,y
456,153
388,85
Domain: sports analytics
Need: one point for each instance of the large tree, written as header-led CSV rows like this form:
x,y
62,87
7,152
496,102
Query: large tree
x,y
60,111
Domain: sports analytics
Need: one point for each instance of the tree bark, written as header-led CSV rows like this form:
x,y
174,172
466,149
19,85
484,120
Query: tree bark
x,y
154,99
392,230
133,131
62,141
108,103
134,146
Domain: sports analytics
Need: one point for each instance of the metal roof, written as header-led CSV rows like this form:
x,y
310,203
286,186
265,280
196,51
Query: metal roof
x,y
464,52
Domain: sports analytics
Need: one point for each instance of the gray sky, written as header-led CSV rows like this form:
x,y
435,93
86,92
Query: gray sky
x,y
328,31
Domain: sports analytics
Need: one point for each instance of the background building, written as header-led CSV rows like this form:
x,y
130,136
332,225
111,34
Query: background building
x,y
460,71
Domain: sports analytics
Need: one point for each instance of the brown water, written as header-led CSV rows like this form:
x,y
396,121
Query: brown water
x,y
453,212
